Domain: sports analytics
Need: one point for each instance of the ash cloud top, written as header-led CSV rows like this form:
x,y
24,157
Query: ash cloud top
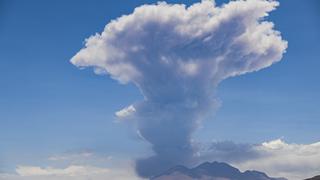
x,y
177,55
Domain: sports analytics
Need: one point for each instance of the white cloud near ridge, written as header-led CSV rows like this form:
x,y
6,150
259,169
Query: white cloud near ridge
x,y
294,161
276,158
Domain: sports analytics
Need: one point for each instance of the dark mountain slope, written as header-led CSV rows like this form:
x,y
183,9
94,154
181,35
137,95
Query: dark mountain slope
x,y
314,178
212,171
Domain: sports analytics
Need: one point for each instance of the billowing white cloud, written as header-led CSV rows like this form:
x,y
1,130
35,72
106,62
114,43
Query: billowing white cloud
x,y
179,41
277,158
177,55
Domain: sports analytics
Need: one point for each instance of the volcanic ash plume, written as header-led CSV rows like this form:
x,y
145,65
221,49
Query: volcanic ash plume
x,y
176,56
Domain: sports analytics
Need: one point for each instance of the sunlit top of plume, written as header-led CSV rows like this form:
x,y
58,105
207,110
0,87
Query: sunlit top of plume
x,y
200,41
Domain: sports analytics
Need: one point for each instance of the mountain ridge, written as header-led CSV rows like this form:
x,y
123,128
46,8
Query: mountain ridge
x,y
212,171
314,178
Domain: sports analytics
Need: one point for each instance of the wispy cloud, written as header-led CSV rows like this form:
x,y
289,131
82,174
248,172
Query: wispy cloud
x,y
71,156
124,113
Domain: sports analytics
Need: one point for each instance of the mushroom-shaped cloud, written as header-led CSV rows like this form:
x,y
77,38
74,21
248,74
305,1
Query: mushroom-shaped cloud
x,y
177,55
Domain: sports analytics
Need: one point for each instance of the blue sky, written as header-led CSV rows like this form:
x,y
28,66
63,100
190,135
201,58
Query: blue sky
x,y
48,106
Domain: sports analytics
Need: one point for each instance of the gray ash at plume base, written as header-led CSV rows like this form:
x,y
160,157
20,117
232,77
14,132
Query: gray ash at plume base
x,y
177,55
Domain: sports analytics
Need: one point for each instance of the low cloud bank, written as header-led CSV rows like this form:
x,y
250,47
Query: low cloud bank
x,y
72,172
276,158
